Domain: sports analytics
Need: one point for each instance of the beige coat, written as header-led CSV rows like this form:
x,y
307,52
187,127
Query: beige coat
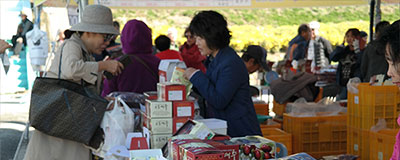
x,y
45,147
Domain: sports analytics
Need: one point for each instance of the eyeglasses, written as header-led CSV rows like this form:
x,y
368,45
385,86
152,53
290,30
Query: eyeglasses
x,y
189,36
108,37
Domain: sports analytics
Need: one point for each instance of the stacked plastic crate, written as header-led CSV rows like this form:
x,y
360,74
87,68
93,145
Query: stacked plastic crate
x,y
365,108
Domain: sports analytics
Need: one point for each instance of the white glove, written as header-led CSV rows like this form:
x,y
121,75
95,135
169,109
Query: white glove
x,y
356,45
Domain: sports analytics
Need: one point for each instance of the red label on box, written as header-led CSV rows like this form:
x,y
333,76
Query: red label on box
x,y
179,122
171,92
183,108
138,143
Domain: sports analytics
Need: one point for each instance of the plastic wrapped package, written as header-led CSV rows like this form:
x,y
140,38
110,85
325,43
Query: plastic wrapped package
x,y
325,107
381,124
133,100
352,85
177,77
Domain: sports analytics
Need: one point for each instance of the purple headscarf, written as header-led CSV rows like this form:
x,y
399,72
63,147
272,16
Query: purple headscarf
x,y
136,40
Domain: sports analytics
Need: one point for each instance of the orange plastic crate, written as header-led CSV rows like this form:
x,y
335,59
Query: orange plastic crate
x,y
373,103
261,109
381,144
278,135
318,136
358,142
279,109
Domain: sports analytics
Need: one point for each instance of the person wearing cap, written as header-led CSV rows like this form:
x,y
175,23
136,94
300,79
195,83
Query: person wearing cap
x,y
25,26
91,35
225,85
319,48
255,58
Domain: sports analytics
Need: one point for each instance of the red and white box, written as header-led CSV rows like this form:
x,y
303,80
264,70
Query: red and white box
x,y
183,109
168,91
158,109
204,149
158,125
151,95
166,68
179,122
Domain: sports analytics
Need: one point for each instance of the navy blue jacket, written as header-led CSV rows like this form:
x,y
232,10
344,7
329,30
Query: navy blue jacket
x,y
301,49
225,86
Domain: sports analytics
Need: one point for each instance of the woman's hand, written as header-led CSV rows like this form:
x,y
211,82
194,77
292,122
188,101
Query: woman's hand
x,y
112,66
189,72
3,46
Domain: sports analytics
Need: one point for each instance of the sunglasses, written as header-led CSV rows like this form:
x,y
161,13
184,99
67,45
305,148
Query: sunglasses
x,y
108,37
189,36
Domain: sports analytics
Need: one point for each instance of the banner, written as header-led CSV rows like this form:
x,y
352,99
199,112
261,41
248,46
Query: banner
x,y
179,4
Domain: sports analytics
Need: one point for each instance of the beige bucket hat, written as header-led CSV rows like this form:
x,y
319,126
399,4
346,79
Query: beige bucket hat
x,y
97,19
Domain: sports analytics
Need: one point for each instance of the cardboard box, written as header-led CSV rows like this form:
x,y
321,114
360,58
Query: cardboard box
x,y
158,109
198,129
166,68
179,122
183,108
151,95
218,126
171,91
158,125
157,141
205,149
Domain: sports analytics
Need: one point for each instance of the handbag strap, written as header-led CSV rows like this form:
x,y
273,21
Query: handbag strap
x,y
145,65
59,66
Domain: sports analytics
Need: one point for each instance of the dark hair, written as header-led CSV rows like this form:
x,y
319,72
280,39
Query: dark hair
x,y
354,31
211,26
303,28
247,57
380,27
116,24
391,37
186,31
162,42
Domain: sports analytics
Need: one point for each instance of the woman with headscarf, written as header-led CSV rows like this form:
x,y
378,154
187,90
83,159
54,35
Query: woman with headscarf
x,y
141,74
91,36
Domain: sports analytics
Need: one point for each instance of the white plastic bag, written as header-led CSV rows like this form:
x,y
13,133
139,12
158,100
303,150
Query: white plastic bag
x,y
352,85
116,125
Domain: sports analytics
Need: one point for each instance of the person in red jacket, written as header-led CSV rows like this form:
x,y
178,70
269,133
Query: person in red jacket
x,y
162,44
191,54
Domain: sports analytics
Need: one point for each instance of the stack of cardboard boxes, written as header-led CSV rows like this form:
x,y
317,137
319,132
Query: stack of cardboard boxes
x,y
165,113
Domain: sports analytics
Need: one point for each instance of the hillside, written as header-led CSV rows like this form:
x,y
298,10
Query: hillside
x,y
271,28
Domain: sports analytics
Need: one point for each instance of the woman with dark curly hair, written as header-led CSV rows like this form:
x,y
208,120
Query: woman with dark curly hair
x,y
225,86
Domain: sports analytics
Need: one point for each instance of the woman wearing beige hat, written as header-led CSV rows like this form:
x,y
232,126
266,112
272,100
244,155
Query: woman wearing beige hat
x,y
91,36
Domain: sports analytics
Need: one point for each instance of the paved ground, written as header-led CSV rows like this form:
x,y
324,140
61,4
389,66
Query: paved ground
x,y
14,109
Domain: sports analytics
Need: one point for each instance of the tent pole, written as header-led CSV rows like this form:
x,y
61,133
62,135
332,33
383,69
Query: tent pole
x,y
371,20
